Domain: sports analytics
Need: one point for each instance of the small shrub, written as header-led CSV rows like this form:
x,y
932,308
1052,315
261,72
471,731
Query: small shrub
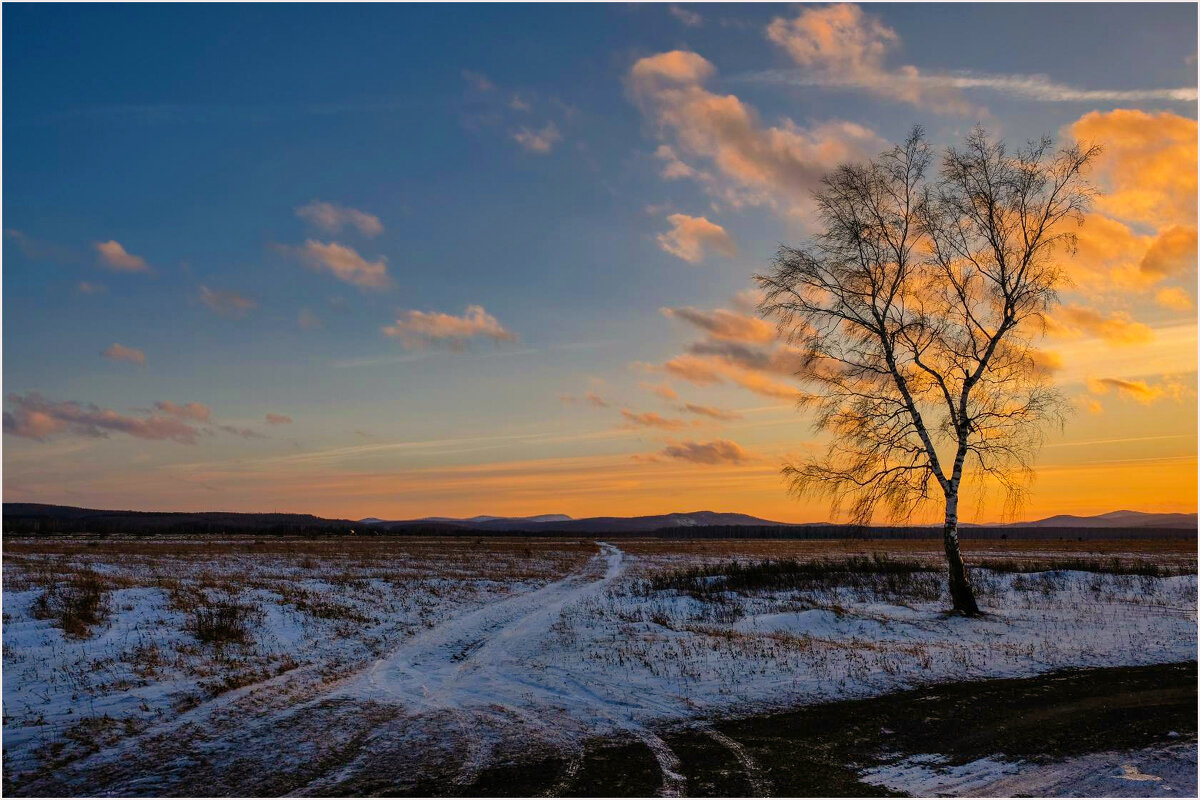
x,y
222,622
77,605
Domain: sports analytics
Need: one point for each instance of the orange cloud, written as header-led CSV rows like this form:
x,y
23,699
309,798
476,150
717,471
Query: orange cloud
x,y
722,324
708,370
1173,253
690,238
1148,167
1117,328
649,419
417,329
1175,299
1140,391
333,218
113,255
118,352
758,165
1046,361
227,304
718,451
278,419
344,263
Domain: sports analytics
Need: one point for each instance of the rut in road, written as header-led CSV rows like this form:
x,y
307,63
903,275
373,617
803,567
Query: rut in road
x,y
479,664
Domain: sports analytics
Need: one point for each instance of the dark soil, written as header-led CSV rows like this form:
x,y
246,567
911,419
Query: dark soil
x,y
818,751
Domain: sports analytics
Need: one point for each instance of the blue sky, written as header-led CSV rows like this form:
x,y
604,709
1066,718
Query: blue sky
x,y
513,162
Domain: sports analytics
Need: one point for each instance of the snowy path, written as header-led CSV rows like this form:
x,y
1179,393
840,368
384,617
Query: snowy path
x,y
474,658
479,664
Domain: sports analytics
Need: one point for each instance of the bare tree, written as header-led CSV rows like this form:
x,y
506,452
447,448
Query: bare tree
x,y
914,310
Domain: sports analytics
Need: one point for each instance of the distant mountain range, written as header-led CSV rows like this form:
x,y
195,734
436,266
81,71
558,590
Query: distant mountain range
x,y
38,518
1115,519
701,519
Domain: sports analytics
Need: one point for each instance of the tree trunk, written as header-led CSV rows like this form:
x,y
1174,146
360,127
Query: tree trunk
x,y
960,588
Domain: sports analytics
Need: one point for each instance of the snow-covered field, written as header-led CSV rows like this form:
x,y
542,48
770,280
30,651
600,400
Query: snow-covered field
x,y
467,650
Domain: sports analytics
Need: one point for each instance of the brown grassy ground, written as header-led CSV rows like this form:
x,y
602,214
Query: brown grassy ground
x,y
1172,554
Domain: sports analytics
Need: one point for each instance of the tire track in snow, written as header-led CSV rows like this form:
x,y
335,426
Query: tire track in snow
x,y
474,662
467,656
759,786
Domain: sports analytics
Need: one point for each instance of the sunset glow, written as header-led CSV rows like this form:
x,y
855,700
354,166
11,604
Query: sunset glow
x,y
400,261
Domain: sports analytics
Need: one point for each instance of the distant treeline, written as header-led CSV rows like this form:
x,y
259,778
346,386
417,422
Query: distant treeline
x,y
35,519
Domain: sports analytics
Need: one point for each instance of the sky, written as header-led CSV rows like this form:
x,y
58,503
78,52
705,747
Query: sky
x,y
401,261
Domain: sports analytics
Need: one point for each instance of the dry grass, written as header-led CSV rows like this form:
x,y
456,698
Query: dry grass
x,y
76,604
222,622
1172,556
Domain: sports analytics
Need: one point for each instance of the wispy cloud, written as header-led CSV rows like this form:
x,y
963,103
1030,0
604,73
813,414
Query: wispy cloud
x,y
689,18
1039,88
197,412
1139,390
226,304
538,140
278,419
718,451
840,46
308,321
478,81
38,250
723,414
333,218
648,419
722,324
119,352
35,417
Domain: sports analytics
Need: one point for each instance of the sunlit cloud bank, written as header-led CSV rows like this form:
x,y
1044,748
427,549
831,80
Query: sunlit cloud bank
x,y
747,162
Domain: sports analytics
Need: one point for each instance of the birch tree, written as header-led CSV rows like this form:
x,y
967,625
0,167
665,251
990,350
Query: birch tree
x,y
915,310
